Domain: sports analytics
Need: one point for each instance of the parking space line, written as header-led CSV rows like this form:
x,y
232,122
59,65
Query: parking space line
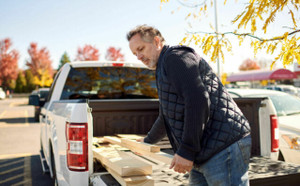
x,y
11,163
27,170
11,170
11,178
2,114
25,182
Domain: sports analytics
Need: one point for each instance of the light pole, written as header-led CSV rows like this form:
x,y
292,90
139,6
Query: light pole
x,y
217,31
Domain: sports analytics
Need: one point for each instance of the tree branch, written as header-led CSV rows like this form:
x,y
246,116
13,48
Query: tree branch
x,y
192,6
246,34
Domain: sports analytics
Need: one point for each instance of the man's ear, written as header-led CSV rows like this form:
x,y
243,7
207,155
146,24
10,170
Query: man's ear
x,y
157,41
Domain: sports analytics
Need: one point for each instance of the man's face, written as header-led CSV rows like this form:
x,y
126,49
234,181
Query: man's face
x,y
147,52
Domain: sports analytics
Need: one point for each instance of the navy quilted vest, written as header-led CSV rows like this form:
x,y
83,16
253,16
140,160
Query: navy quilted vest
x,y
226,123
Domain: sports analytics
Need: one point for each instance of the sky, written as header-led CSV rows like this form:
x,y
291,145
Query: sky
x,y
64,25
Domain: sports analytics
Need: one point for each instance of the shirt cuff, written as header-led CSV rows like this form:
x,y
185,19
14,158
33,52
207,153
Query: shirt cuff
x,y
148,139
186,153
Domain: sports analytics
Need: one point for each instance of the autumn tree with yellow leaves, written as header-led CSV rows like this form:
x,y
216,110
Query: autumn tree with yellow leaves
x,y
40,65
285,46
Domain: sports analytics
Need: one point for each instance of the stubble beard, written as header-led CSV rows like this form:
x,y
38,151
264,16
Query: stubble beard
x,y
152,65
153,62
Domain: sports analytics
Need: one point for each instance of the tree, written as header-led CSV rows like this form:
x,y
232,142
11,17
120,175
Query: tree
x,y
255,12
114,54
20,83
40,65
30,86
43,79
8,64
249,64
63,60
87,53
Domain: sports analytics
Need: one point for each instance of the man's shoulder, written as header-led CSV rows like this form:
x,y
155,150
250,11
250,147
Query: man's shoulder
x,y
179,49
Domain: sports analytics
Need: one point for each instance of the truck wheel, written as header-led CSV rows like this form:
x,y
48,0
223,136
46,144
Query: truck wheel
x,y
53,169
36,115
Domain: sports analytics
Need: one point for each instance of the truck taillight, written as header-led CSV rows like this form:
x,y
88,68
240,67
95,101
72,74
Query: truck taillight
x,y
77,146
274,133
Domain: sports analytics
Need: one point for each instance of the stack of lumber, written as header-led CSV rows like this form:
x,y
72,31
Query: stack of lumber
x,y
135,163
124,168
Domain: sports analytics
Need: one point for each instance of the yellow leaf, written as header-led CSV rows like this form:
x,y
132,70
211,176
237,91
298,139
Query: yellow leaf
x,y
253,25
293,18
184,39
272,65
188,16
285,35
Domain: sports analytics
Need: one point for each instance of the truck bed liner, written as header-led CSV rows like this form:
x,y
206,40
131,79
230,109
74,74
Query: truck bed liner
x,y
123,116
264,171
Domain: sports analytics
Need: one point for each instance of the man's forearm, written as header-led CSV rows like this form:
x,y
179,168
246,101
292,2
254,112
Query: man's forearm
x,y
157,132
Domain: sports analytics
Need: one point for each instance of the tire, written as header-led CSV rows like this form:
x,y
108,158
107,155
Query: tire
x,y
36,115
280,156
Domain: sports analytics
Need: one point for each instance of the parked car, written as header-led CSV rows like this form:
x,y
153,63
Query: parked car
x,y
290,89
42,93
288,112
2,93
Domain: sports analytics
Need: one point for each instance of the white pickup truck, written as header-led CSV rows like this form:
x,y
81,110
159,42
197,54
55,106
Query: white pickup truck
x,y
90,99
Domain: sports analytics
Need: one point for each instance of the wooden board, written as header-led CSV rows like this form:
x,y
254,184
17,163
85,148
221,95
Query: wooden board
x,y
139,145
112,140
121,163
159,156
131,136
163,144
162,174
133,180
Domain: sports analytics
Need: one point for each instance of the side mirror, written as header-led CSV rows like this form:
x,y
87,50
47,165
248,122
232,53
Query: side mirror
x,y
34,100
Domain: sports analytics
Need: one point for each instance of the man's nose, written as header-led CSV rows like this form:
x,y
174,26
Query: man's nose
x,y
139,56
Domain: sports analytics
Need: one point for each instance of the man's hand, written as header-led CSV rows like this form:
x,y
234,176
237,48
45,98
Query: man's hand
x,y
181,164
140,139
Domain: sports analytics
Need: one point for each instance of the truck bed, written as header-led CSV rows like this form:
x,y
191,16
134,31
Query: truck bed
x,y
123,116
262,171
137,117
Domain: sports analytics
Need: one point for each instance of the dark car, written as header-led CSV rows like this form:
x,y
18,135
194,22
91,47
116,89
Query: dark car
x,y
42,93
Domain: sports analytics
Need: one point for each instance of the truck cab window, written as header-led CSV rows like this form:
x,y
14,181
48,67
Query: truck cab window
x,y
110,83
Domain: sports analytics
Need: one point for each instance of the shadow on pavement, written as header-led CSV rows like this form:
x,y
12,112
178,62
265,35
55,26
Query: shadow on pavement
x,y
18,120
23,171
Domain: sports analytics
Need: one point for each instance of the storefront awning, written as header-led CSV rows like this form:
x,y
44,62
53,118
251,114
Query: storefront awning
x,y
257,75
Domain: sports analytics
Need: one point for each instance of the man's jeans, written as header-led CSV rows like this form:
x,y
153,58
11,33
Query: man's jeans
x,y
229,167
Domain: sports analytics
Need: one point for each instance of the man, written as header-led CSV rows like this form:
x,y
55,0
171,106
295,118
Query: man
x,y
208,133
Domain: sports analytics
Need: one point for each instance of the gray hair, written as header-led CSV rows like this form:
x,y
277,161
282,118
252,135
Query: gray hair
x,y
146,32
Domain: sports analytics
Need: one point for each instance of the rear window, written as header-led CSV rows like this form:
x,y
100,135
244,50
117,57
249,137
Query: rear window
x,y
110,83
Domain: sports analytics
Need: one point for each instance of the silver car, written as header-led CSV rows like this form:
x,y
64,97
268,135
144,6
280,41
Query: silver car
x,y
288,113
